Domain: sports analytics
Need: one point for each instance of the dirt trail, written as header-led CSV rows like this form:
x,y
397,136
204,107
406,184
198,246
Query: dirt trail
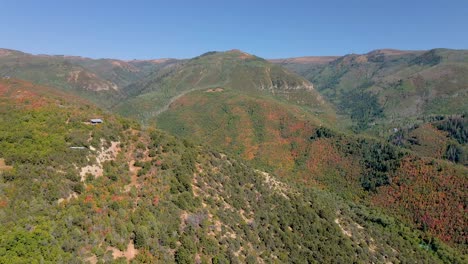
x,y
172,100
134,176
130,153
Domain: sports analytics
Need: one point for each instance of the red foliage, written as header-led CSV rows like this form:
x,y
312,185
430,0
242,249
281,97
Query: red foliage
x,y
3,89
89,199
156,200
323,154
98,210
431,195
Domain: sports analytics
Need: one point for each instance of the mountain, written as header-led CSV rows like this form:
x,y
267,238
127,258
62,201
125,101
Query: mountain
x,y
391,88
299,146
259,166
74,192
255,127
144,88
379,91
233,69
101,81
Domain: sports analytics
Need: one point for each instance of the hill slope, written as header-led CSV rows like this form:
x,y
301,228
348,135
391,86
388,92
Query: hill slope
x,y
143,89
101,81
298,146
146,196
226,70
257,127
391,87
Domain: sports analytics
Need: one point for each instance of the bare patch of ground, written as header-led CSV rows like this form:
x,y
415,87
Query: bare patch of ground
x,y
102,155
133,177
345,232
214,90
124,65
71,196
3,166
4,52
274,184
358,235
92,260
241,54
90,81
129,254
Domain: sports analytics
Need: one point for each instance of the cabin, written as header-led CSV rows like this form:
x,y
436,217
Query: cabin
x,y
6,77
96,121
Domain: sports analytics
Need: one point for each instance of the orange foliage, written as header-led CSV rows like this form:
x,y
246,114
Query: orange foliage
x,y
431,195
117,198
33,96
156,200
3,89
431,141
322,154
89,199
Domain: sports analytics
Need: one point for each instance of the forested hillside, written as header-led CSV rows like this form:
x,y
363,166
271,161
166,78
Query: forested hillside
x,y
408,180
391,88
101,81
71,192
233,69
365,163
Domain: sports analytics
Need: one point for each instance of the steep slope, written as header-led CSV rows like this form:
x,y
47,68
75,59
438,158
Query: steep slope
x,y
52,70
122,73
304,65
101,81
258,128
122,194
394,88
226,70
440,138
298,146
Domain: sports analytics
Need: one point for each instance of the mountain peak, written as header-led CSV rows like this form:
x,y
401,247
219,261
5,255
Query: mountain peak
x,y
8,52
241,54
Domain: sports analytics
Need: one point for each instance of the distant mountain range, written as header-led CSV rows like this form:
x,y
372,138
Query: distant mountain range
x,y
388,87
391,87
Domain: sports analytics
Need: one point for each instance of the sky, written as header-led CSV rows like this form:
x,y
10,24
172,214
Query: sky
x,y
140,29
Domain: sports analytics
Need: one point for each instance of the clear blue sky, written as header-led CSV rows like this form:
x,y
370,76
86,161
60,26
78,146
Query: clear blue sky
x,y
272,29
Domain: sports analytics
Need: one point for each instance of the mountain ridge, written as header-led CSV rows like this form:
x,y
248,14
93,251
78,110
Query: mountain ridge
x,y
232,69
